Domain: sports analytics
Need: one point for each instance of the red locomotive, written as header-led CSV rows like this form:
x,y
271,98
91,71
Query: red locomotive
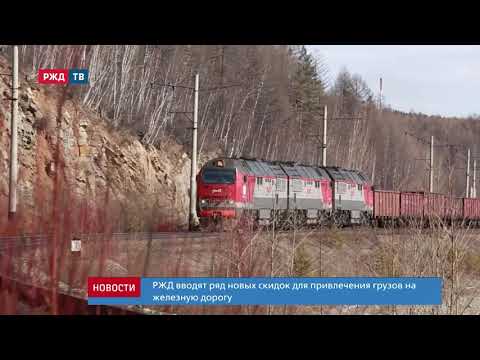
x,y
239,188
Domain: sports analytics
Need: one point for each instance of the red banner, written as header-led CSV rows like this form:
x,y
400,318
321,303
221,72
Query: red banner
x,y
113,287
53,76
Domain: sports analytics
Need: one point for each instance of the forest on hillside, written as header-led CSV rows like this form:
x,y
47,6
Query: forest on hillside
x,y
263,101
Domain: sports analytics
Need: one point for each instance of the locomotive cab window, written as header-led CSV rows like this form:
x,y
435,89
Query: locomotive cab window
x,y
218,176
244,178
317,184
259,181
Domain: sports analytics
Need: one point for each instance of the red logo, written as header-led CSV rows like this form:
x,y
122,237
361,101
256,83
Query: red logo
x,y
113,287
53,76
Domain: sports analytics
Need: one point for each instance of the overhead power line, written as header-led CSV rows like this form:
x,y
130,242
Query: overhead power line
x,y
220,87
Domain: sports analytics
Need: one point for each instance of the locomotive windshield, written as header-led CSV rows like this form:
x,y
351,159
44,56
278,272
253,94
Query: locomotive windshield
x,y
218,176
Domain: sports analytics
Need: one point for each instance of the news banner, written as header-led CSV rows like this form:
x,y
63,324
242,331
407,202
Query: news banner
x,y
265,291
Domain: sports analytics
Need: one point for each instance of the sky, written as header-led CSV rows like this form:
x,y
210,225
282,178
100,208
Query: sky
x,y
431,79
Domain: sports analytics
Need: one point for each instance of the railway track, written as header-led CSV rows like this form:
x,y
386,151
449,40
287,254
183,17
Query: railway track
x,y
9,242
39,240
31,241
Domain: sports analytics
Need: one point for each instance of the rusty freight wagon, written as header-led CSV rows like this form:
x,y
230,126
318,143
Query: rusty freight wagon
x,y
434,206
386,204
453,208
471,209
411,205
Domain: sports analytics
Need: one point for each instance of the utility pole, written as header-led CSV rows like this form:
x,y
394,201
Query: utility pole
x,y
12,194
431,165
380,95
324,132
192,214
474,185
193,183
324,144
430,169
467,192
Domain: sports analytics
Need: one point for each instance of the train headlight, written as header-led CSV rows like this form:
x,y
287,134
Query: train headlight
x,y
203,202
231,202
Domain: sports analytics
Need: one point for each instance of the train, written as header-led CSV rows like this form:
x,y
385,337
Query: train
x,y
291,194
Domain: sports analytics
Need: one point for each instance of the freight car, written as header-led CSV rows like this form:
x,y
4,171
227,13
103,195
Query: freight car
x,y
292,194
393,207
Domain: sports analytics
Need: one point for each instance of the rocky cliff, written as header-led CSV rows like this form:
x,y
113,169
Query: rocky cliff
x,y
92,154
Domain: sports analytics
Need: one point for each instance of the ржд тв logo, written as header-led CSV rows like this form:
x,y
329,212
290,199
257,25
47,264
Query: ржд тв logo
x,y
63,76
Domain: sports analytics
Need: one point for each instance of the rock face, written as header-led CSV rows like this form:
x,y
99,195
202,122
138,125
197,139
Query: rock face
x,y
91,154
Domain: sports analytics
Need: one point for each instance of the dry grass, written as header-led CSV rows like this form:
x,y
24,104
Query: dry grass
x,y
450,253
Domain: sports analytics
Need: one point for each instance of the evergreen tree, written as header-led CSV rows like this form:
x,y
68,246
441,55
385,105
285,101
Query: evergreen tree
x,y
307,85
